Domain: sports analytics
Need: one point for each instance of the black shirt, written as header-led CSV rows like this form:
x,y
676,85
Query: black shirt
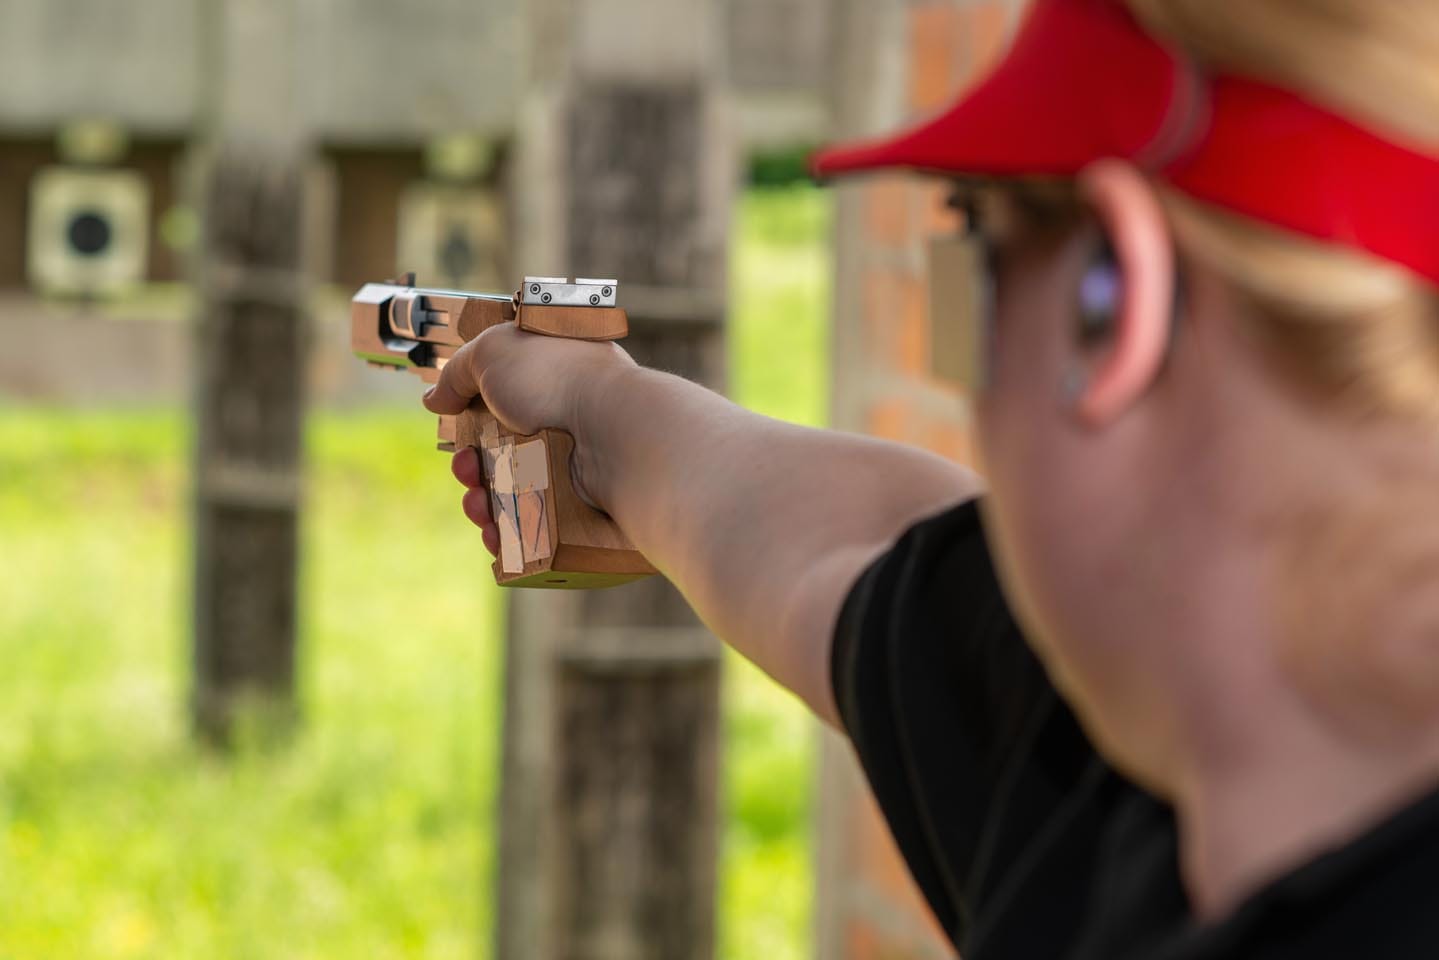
x,y
1026,844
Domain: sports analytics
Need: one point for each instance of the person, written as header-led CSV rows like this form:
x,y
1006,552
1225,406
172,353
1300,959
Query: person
x,y
1165,683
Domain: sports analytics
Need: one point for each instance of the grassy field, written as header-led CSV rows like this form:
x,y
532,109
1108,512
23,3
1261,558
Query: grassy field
x,y
370,835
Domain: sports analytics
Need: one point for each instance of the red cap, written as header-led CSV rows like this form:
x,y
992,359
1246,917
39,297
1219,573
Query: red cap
x,y
1083,82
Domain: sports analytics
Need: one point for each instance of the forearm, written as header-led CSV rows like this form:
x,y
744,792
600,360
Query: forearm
x,y
761,524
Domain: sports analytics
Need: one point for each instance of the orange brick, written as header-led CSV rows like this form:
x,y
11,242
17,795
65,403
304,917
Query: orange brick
x,y
950,47
896,319
879,295
950,440
984,35
892,419
886,212
934,51
860,942
895,418
912,329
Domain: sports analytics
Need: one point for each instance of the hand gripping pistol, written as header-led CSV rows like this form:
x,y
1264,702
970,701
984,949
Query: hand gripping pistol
x,y
549,537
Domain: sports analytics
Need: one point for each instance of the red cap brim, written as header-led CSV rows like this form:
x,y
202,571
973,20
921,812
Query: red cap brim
x,y
1083,82
1080,83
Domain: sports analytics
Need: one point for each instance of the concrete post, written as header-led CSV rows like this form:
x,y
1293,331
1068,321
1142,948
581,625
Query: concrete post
x,y
251,159
624,169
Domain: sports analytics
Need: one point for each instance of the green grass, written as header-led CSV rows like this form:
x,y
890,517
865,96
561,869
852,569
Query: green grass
x,y
370,834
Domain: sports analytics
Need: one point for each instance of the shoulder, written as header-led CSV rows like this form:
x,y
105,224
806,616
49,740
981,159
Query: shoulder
x,y
970,751
931,611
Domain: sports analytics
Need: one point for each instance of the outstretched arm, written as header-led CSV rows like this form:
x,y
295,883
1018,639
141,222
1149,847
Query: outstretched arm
x,y
762,525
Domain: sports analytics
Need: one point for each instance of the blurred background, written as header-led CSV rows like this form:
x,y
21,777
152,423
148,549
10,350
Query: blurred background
x,y
258,694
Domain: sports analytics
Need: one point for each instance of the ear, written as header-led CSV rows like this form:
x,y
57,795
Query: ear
x,y
1129,213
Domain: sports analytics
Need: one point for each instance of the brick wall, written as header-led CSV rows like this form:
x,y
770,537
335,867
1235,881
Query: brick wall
x,y
899,61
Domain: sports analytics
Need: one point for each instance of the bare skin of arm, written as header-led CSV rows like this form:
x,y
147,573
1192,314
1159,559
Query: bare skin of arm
x,y
762,525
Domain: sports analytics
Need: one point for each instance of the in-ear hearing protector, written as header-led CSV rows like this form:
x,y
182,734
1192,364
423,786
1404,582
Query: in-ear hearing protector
x,y
1100,298
1100,292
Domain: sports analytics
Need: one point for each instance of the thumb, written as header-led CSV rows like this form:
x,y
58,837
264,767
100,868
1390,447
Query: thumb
x,y
444,398
459,383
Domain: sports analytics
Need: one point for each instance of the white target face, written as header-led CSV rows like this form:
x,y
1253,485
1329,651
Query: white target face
x,y
88,230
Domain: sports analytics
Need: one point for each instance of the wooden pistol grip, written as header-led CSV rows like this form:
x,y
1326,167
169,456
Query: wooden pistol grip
x,y
549,537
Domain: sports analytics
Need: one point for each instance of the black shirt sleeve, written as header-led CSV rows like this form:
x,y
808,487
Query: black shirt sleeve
x,y
981,770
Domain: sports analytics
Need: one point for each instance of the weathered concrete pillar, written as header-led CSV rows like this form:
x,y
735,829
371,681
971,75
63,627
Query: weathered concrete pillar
x,y
251,163
624,168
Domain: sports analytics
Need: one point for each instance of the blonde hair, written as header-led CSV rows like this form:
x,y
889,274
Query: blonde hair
x,y
1363,331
